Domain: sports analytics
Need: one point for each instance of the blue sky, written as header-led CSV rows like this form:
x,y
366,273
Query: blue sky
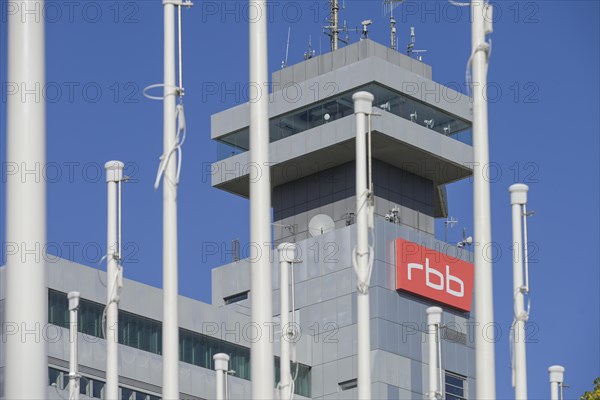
x,y
544,129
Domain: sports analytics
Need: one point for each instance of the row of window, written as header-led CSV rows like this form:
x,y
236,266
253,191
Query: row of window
x,y
146,334
341,106
93,387
455,386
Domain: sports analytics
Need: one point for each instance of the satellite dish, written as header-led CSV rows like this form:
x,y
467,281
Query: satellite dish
x,y
320,224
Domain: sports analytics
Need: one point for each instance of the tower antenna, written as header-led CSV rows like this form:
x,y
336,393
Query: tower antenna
x,y
449,223
393,36
287,49
333,28
309,53
334,31
410,49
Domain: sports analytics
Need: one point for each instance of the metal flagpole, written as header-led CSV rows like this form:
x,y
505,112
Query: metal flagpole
x,y
362,257
518,199
557,374
434,319
114,178
484,306
221,368
287,255
73,363
170,326
261,350
26,362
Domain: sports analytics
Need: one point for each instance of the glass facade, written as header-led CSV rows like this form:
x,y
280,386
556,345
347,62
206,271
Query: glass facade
x,y
341,106
146,334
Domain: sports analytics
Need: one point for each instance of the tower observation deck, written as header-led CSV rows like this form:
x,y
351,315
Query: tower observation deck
x,y
421,140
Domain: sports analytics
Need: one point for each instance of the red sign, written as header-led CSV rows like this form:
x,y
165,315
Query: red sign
x,y
434,275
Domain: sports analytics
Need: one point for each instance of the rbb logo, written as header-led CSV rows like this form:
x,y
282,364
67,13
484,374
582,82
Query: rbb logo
x,y
434,275
440,278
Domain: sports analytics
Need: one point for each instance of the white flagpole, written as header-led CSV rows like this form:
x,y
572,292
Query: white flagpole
x,y
261,349
221,369
73,363
557,375
484,305
26,362
287,255
363,104
518,199
434,319
170,326
114,178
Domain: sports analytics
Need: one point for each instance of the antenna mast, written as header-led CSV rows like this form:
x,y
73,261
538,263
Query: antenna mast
x,y
333,29
334,24
410,48
284,64
310,53
393,36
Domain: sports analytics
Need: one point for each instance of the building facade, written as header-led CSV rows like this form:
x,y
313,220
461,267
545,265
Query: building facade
x,y
420,142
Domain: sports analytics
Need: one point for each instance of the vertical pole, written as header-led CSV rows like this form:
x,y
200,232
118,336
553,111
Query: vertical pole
x,y
114,175
434,318
557,374
518,198
221,368
26,373
363,104
393,44
73,363
170,328
334,24
484,306
261,350
287,255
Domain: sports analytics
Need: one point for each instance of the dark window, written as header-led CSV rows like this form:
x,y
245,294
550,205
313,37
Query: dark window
x,y
455,386
98,389
347,385
95,388
341,105
83,385
139,396
236,298
126,394
55,377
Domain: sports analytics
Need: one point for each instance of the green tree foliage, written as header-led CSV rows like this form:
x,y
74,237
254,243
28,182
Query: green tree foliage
x,y
594,394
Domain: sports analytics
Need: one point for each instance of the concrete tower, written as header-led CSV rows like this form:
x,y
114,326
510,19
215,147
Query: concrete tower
x,y
420,143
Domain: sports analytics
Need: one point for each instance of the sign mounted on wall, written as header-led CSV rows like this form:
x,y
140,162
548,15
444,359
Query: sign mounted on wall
x,y
434,275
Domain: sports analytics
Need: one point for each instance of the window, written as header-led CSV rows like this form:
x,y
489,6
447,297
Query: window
x,y
126,394
455,387
347,385
84,384
340,106
94,388
97,389
236,298
56,377
139,396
